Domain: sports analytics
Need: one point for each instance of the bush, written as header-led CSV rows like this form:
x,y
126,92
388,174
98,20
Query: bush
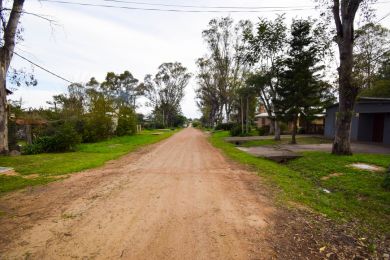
x,y
97,128
225,126
196,124
283,127
127,122
264,130
236,130
64,139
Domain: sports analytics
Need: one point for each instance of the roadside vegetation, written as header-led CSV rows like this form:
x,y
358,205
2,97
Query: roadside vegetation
x,y
46,167
355,196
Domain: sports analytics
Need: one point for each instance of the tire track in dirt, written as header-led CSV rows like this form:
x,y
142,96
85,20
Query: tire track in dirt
x,y
178,199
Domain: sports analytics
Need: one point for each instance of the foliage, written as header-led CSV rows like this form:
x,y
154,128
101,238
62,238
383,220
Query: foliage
x,y
372,42
301,92
64,139
263,130
356,195
127,121
381,80
165,91
236,130
265,48
222,70
225,126
196,124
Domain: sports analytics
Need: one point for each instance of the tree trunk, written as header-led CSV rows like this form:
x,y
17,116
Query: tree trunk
x,y
3,116
347,97
294,131
272,127
242,117
277,131
348,91
28,134
6,53
247,116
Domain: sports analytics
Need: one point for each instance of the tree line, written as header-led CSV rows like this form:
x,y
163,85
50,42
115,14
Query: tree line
x,y
94,111
286,69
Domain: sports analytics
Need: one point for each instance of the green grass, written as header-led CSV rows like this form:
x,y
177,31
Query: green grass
x,y
49,165
356,195
286,140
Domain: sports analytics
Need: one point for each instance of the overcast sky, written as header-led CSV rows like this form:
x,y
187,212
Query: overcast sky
x,y
90,41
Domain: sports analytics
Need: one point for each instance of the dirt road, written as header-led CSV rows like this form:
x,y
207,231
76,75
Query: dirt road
x,y
178,199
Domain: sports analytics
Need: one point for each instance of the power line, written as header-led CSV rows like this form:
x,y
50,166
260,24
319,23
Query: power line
x,y
204,6
217,7
174,10
42,68
383,17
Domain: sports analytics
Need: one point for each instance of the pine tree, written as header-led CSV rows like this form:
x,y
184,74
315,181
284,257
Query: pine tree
x,y
301,93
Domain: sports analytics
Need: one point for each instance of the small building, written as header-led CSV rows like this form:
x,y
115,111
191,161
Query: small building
x,y
316,126
370,122
262,118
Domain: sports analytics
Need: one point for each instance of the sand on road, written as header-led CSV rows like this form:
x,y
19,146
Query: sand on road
x,y
178,199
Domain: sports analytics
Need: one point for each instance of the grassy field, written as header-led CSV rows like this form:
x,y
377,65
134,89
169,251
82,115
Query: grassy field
x,y
44,168
355,195
286,140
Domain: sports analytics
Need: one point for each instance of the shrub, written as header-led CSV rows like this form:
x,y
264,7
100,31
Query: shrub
x,y
196,124
264,130
127,122
236,130
34,148
225,126
283,127
64,139
97,128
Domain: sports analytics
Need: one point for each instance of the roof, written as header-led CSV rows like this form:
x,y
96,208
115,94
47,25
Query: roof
x,y
365,100
31,121
264,114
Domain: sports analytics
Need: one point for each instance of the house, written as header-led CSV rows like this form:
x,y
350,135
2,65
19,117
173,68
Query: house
x,y
315,126
370,122
262,118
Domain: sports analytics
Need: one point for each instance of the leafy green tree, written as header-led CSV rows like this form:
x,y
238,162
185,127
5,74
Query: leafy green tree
x,y
265,47
301,92
372,42
165,91
98,118
343,13
222,70
9,32
381,82
127,121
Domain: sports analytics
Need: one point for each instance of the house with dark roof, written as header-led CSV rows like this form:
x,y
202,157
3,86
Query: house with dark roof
x,y
370,121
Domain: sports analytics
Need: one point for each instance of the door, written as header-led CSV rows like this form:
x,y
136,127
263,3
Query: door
x,y
378,125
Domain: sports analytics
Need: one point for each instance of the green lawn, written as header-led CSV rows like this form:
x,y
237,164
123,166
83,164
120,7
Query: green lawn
x,y
356,195
286,140
46,167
